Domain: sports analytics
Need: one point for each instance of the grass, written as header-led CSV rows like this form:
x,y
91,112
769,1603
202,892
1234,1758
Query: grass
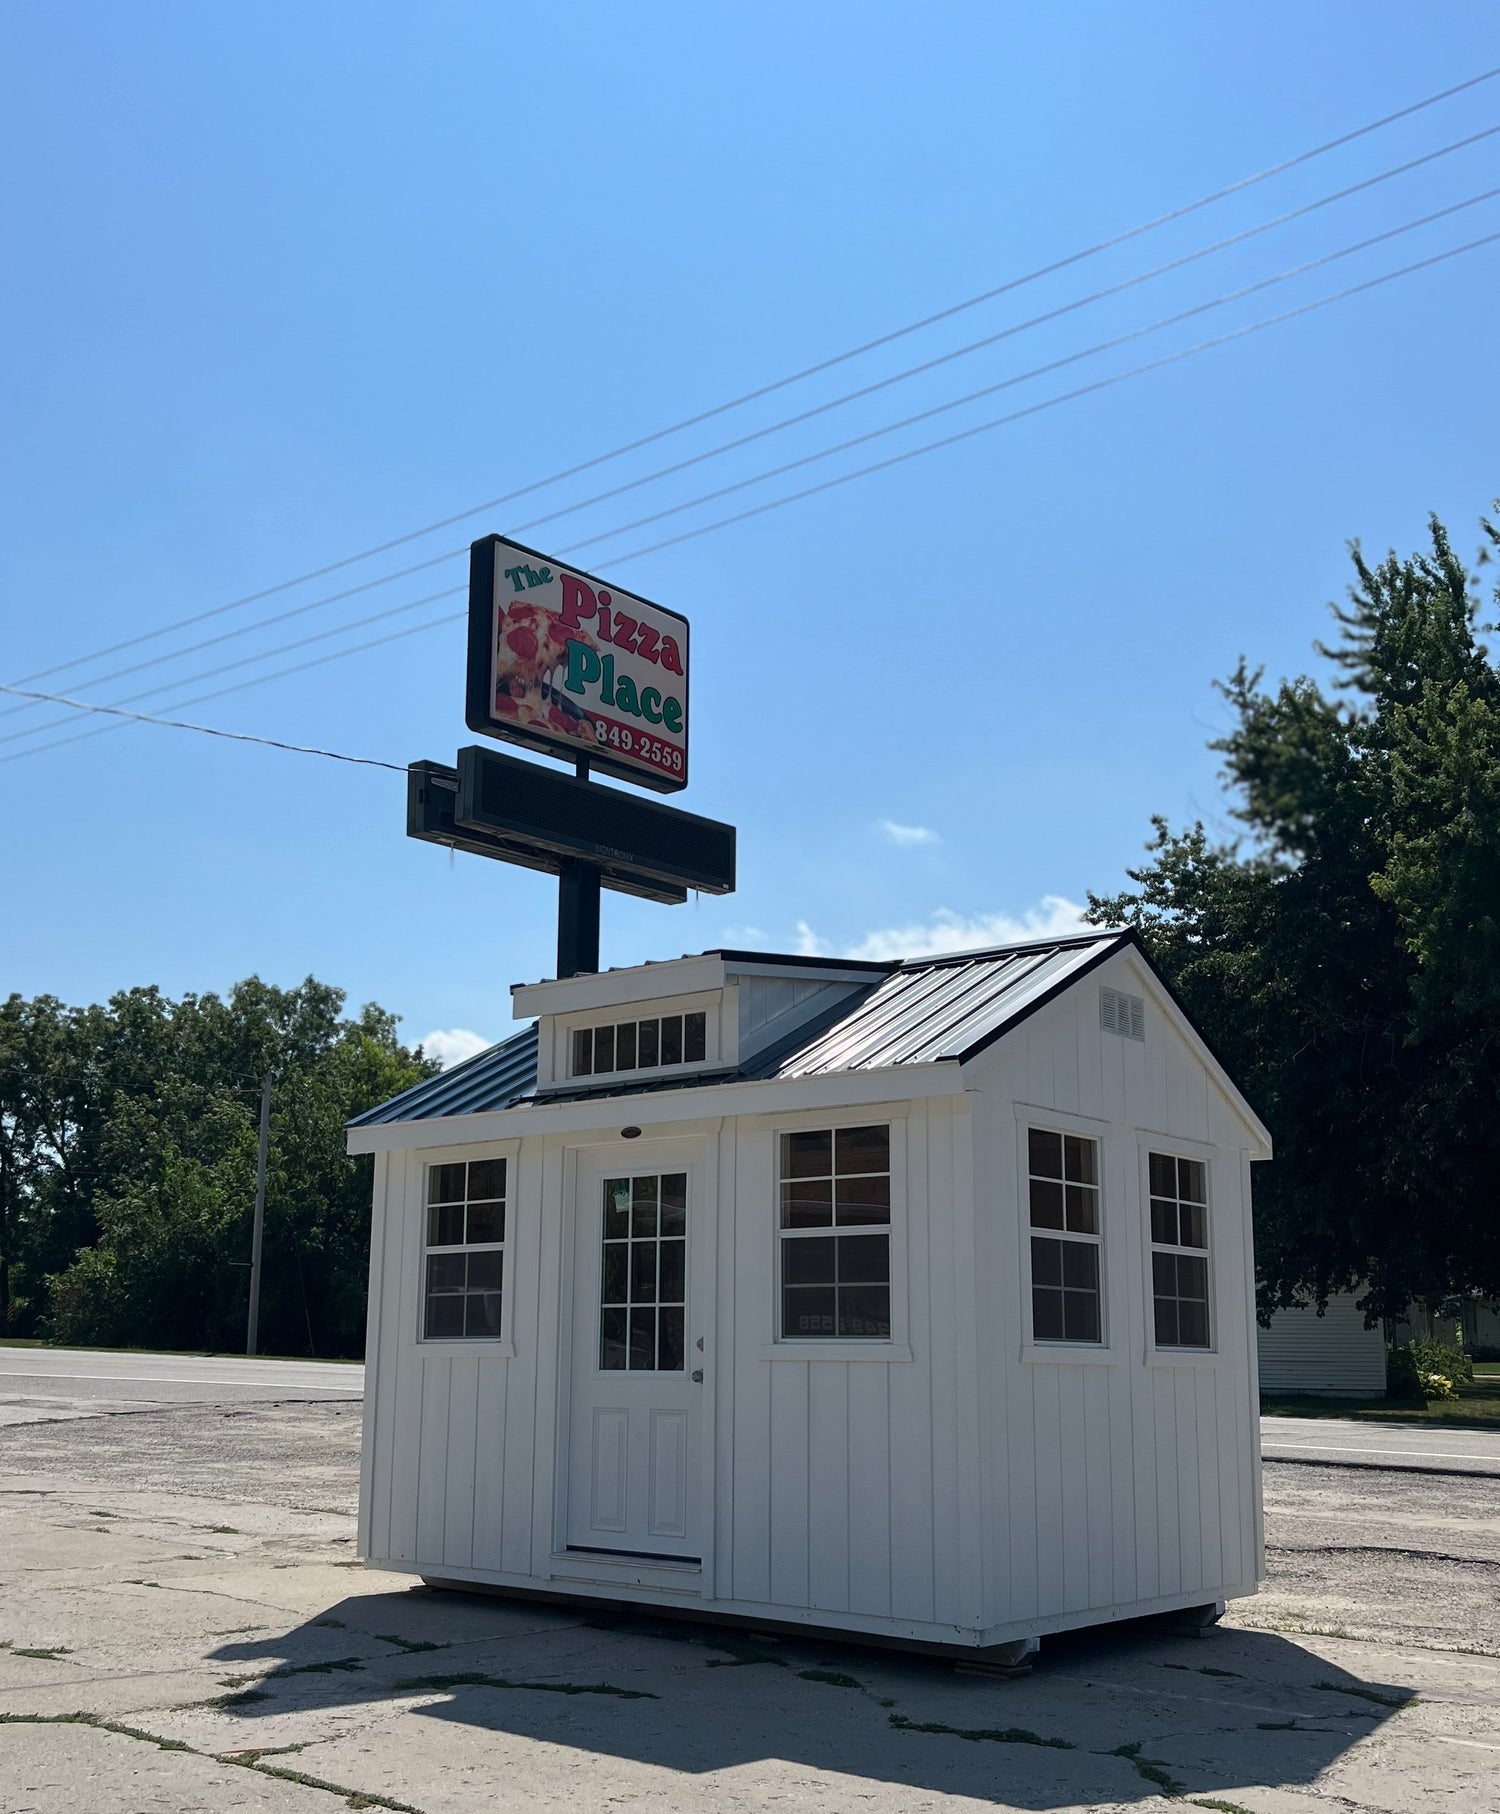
x,y
1476,1407
1365,1694
438,1684
1149,1769
993,1735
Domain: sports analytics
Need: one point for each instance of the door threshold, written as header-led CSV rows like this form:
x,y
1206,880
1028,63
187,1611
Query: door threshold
x,y
627,1558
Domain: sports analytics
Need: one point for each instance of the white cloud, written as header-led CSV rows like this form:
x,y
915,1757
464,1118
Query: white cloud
x,y
744,936
452,1045
1054,916
907,836
808,942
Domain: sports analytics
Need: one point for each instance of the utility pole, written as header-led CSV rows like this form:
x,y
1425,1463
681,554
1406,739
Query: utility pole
x,y
253,1330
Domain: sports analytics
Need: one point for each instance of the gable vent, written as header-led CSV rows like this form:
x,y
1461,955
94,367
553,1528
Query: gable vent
x,y
1122,1014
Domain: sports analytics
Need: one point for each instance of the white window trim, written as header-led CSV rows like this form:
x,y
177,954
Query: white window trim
x,y
897,1347
1201,1358
565,1025
501,1347
1047,1351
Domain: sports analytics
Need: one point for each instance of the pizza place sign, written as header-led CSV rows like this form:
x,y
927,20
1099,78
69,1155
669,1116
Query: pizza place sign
x,y
571,665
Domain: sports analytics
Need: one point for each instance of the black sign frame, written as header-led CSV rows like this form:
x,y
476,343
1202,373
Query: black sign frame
x,y
479,676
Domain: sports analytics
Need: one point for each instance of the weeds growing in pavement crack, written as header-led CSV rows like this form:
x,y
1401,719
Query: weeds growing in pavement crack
x,y
1366,1694
409,1644
835,1678
995,1735
436,1684
1149,1769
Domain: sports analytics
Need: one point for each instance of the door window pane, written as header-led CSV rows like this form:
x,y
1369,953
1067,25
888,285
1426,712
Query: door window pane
x,y
674,1203
644,1264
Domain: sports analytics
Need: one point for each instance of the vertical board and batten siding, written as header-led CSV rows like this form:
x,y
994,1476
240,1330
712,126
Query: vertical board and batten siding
x,y
1332,1353
1116,1477
449,1435
851,1482
960,1485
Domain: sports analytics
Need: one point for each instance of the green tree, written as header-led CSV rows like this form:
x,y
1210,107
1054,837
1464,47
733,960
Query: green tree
x,y
1345,957
127,1163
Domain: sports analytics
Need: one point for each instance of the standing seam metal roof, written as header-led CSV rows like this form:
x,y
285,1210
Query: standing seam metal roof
x,y
928,1011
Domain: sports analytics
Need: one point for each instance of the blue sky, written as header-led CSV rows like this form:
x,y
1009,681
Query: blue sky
x,y
284,282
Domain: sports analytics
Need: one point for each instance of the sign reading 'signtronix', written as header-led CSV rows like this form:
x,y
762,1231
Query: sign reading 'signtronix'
x,y
568,664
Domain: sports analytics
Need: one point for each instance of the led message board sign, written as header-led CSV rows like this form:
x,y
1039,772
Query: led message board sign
x,y
571,665
431,799
505,798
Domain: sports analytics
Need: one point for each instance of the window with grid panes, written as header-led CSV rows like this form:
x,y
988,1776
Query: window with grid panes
x,y
640,1045
643,1275
1063,1193
835,1234
1179,1250
464,1271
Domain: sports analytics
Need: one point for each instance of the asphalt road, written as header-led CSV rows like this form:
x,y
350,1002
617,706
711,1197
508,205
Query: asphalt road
x,y
1338,1441
43,1385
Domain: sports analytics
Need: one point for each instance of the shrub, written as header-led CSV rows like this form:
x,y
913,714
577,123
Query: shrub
x,y
1428,1368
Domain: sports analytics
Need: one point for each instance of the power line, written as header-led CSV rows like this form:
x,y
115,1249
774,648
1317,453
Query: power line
x,y
263,623
900,459
793,378
188,680
207,730
1037,371
807,459
1086,390
1009,333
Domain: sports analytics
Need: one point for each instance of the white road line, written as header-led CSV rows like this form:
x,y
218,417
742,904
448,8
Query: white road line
x,y
1333,1448
177,1379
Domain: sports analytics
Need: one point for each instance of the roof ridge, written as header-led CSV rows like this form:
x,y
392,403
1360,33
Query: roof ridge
x,y
1057,942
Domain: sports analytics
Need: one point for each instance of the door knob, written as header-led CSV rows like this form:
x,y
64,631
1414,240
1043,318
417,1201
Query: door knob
x,y
697,1376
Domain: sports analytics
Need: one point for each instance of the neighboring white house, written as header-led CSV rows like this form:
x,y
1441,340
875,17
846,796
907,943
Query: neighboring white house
x,y
1333,1355
908,1299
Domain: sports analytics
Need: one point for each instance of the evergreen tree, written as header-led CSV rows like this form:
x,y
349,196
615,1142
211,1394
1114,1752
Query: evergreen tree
x,y
1345,961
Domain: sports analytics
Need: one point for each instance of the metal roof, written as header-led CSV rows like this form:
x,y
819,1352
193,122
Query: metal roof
x,y
949,1008
492,1079
924,1011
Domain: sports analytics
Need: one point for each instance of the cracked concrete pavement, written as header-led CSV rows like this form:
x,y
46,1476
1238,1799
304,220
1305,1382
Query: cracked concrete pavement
x,y
183,1626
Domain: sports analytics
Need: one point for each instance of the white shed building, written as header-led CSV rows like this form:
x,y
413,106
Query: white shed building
x,y
908,1299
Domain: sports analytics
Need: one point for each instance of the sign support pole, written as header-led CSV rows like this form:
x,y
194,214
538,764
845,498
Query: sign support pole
x,y
578,909
577,918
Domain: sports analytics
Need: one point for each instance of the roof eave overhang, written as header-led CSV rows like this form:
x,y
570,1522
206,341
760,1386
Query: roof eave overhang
x,y
768,1096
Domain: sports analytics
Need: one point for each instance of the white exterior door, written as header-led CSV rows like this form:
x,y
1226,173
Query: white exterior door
x,y
634,1464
